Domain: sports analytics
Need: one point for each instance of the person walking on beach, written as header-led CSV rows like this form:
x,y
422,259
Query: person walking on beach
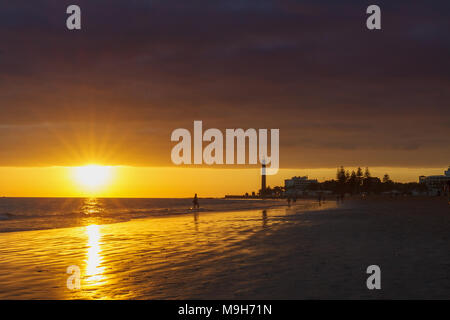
x,y
195,202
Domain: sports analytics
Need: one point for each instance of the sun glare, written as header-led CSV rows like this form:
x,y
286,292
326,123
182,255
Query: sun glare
x,y
92,176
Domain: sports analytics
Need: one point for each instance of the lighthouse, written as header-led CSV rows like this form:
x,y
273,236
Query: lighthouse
x,y
263,179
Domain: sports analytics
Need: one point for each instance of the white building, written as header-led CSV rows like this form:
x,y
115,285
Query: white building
x,y
298,184
437,184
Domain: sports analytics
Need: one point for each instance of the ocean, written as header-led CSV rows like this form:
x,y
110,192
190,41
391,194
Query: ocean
x,y
23,214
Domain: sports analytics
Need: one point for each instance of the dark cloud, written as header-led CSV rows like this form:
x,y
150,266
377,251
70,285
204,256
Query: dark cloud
x,y
139,69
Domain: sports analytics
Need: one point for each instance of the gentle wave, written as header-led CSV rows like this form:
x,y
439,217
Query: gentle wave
x,y
21,214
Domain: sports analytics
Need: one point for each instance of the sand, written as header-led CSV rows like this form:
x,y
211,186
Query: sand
x,y
303,252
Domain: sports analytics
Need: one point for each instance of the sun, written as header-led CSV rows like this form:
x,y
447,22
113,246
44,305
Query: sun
x,y
92,176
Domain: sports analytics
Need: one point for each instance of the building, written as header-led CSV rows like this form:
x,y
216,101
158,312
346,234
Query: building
x,y
437,185
297,185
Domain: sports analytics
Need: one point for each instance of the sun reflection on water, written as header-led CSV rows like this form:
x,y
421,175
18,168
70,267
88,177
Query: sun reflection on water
x,y
91,206
94,268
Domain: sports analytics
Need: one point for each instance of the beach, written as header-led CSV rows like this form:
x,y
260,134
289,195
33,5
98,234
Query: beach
x,y
307,251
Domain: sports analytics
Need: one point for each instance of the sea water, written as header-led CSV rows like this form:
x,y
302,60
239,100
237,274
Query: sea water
x,y
22,214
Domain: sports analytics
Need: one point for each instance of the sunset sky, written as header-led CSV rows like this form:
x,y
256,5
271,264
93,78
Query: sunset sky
x,y
112,93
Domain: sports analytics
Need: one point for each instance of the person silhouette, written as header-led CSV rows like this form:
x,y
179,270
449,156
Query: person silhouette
x,y
195,202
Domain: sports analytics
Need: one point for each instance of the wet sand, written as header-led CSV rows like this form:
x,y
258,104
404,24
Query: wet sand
x,y
303,252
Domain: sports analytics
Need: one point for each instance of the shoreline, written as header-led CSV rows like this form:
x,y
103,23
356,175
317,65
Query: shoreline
x,y
72,222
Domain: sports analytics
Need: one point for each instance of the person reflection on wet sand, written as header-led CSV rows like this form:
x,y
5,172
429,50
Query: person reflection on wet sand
x,y
264,219
196,221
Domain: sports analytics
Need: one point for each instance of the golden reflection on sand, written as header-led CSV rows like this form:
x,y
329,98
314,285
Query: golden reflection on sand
x,y
94,268
180,256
